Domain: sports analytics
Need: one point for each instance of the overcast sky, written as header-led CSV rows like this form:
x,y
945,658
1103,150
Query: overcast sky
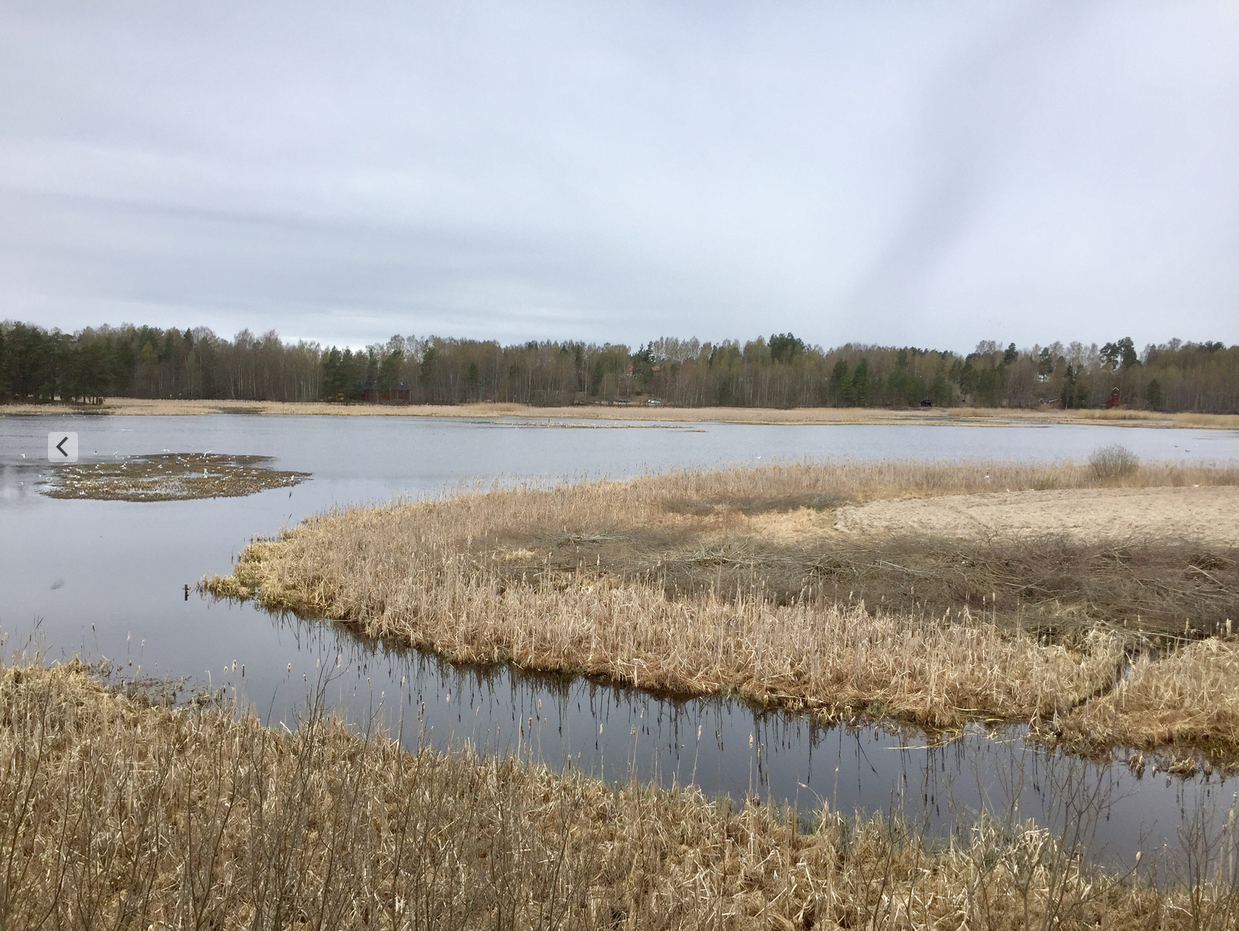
x,y
899,173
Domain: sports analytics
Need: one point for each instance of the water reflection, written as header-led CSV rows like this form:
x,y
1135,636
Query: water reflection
x,y
728,747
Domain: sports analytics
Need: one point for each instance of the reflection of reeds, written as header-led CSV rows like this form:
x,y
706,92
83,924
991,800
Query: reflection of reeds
x,y
117,812
840,661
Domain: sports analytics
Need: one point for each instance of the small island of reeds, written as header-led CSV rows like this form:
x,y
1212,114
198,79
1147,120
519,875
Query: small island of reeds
x,y
169,477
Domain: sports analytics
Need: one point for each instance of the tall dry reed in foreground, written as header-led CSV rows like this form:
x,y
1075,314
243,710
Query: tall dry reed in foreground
x,y
119,813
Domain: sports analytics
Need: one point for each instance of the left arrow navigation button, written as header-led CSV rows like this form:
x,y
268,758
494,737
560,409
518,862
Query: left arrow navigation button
x,y
62,446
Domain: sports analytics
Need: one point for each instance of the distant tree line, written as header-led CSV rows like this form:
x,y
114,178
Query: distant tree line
x,y
147,362
37,364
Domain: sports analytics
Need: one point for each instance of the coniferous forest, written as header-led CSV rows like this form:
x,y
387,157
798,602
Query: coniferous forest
x,y
37,364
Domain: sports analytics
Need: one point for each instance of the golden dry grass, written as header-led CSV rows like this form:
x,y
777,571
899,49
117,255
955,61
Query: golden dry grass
x,y
466,577
1208,515
1180,419
119,813
1188,700
643,412
839,662
1112,416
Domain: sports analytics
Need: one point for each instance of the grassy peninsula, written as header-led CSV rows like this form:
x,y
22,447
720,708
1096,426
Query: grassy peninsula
x,y
854,591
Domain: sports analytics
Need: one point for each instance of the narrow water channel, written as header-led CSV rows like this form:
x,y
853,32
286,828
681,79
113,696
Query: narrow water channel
x,y
105,579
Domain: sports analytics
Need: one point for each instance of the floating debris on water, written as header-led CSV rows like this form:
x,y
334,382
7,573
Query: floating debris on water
x,y
169,477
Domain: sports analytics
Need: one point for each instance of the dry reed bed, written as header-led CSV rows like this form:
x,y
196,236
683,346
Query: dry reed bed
x,y
119,813
783,486
439,574
1189,700
703,501
841,662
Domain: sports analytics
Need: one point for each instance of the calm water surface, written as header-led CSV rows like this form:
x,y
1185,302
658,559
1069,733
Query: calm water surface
x,y
105,579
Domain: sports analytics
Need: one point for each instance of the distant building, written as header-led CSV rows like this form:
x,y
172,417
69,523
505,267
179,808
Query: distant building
x,y
1115,399
396,394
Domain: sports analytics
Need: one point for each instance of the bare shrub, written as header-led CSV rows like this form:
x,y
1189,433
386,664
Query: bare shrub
x,y
1113,462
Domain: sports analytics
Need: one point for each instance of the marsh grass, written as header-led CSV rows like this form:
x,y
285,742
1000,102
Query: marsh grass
x,y
122,812
1187,701
169,477
840,662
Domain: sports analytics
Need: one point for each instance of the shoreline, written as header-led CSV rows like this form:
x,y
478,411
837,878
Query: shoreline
x,y
638,413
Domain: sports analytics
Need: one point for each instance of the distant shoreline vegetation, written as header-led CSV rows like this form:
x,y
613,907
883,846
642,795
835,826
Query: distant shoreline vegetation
x,y
779,371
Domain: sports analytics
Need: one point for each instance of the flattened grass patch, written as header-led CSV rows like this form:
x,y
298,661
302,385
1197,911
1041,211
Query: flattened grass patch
x,y
169,477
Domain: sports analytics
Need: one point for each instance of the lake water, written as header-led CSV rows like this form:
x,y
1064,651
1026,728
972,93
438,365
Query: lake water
x,y
105,579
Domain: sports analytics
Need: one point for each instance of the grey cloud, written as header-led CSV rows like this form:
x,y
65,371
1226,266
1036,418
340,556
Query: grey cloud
x,y
926,173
